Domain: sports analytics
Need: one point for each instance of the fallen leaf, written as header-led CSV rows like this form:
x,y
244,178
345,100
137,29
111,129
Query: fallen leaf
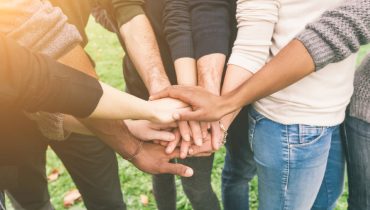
x,y
144,200
71,197
53,175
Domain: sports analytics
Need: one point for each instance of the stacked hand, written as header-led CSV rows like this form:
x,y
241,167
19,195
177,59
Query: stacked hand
x,y
193,137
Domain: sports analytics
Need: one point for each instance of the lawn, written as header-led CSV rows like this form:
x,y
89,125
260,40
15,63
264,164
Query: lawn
x,y
105,50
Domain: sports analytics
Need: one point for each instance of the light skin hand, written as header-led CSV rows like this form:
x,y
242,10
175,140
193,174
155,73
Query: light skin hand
x,y
210,68
148,131
162,109
186,74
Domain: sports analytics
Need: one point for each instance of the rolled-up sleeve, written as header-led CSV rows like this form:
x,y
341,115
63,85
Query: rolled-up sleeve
x,y
177,28
34,82
256,22
125,10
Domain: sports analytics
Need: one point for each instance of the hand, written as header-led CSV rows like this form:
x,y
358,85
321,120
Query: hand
x,y
163,108
153,159
148,131
206,106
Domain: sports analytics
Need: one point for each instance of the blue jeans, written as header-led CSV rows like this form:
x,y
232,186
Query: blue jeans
x,y
284,172
358,159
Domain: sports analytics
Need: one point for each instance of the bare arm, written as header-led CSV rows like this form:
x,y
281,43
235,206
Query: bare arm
x,y
143,50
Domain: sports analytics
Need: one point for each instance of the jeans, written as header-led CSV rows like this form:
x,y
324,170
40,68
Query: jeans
x,y
358,158
291,162
239,166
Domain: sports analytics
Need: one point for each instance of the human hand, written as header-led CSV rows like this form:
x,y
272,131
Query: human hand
x,y
206,106
148,131
166,107
154,160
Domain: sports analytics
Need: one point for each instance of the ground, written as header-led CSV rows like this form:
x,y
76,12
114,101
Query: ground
x,y
104,48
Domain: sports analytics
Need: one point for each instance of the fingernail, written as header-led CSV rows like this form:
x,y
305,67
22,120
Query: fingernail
x,y
176,116
171,137
187,137
199,142
189,172
191,151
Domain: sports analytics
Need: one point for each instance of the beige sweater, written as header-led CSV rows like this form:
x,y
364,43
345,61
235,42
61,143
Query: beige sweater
x,y
265,27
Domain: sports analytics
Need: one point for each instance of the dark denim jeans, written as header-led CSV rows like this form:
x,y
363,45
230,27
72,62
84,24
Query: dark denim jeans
x,y
239,166
358,159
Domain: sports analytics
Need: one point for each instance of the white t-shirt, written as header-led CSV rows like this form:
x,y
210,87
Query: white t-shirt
x,y
264,28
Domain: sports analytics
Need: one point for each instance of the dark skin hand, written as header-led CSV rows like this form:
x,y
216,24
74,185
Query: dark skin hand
x,y
290,65
151,158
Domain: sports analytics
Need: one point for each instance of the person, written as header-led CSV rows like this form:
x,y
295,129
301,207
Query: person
x,y
127,145
193,52
268,162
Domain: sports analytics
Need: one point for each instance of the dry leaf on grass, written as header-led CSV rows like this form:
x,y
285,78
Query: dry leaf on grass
x,y
144,200
53,175
71,197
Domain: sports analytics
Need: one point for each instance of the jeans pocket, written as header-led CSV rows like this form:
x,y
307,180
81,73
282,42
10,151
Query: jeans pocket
x,y
305,135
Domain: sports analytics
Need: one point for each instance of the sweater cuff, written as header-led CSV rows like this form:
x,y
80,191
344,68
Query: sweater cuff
x,y
125,14
212,43
320,52
182,48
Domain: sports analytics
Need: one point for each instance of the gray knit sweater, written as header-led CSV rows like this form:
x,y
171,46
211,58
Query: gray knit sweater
x,y
335,36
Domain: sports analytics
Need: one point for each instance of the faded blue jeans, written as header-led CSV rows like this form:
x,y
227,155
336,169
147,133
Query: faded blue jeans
x,y
291,163
358,159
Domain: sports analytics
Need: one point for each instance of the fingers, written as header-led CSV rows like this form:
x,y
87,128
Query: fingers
x,y
162,135
173,144
216,135
196,132
161,94
184,130
184,149
204,128
205,148
189,115
177,169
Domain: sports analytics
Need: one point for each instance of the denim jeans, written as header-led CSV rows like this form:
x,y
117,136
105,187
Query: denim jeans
x,y
358,159
291,162
239,166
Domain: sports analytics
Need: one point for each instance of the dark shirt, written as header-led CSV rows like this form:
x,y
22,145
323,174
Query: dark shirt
x,y
213,31
34,82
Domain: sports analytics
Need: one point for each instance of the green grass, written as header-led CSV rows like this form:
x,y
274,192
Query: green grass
x,y
105,49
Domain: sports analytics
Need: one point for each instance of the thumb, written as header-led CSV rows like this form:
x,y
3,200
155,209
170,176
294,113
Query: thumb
x,y
177,169
161,94
188,115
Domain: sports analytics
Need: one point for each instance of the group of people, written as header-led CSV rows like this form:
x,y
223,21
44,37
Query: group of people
x,y
274,81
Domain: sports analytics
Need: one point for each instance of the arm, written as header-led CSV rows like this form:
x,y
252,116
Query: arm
x,y
34,83
143,50
292,63
256,21
147,157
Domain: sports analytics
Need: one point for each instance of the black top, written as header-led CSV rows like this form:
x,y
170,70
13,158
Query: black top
x,y
196,28
34,82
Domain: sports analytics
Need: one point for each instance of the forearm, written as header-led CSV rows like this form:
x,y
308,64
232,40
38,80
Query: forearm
x,y
115,134
143,50
115,104
186,72
290,65
235,76
210,68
